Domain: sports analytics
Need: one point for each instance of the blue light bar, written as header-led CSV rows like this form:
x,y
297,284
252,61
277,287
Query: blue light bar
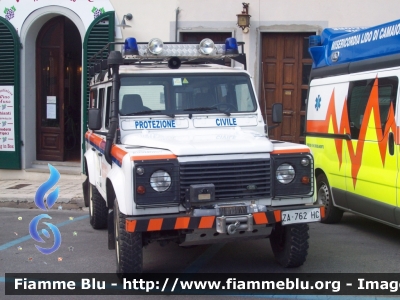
x,y
231,46
131,47
344,45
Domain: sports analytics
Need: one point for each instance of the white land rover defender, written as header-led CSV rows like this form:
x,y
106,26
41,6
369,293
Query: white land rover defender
x,y
177,151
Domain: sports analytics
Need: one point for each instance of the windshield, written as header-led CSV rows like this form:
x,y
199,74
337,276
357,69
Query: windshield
x,y
186,94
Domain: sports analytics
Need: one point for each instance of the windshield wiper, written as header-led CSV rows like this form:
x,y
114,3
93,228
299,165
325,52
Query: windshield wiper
x,y
150,112
207,109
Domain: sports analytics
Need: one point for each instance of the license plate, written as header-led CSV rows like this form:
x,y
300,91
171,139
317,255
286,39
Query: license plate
x,y
233,210
301,216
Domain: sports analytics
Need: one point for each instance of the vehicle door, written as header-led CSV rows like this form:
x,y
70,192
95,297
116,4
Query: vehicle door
x,y
371,159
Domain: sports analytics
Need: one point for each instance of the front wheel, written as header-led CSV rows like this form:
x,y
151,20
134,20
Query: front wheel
x,y
324,197
290,244
128,246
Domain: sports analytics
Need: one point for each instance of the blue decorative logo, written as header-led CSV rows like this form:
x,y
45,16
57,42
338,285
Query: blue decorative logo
x,y
318,103
40,203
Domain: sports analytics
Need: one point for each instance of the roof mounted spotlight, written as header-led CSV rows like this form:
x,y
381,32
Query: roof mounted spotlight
x,y
155,46
123,23
206,46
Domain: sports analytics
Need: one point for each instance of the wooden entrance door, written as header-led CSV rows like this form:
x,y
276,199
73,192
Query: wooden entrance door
x,y
50,91
286,65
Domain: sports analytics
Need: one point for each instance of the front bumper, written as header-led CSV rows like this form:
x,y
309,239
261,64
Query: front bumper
x,y
184,221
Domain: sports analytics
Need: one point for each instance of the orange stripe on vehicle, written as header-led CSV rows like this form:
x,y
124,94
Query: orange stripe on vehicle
x,y
118,153
282,151
130,225
96,139
87,134
207,222
153,157
322,211
182,223
260,218
277,214
155,224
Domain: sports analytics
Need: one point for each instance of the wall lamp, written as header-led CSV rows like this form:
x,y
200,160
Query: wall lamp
x,y
123,23
243,19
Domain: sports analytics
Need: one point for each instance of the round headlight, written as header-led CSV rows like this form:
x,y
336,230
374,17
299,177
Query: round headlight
x,y
155,46
285,173
160,181
206,46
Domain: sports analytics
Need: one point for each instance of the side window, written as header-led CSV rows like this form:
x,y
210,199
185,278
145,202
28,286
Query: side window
x,y
93,98
108,107
387,95
100,103
359,94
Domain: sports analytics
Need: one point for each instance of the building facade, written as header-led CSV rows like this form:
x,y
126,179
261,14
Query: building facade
x,y
45,50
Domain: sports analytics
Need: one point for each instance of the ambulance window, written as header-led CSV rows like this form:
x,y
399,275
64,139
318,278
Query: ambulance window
x,y
108,107
359,94
387,94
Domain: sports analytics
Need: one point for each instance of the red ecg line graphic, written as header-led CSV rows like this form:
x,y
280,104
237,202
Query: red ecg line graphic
x,y
356,153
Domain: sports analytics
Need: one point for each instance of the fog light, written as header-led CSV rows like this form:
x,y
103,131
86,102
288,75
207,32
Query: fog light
x,y
141,189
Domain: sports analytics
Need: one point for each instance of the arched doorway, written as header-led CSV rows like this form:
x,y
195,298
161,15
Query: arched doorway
x,y
58,91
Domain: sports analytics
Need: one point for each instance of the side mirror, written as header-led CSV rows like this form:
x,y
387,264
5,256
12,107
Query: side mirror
x,y
277,115
94,118
277,112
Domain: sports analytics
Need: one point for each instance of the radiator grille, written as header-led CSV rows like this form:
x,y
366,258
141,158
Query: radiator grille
x,y
233,179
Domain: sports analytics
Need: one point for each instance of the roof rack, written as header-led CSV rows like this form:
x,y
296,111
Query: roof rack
x,y
173,53
344,45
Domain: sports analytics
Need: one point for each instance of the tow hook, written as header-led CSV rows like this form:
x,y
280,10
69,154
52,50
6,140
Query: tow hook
x,y
232,224
232,228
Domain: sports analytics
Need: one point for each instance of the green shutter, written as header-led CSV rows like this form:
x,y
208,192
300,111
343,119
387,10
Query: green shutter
x,y
99,33
10,76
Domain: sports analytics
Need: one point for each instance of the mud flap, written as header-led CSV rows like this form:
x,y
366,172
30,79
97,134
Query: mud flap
x,y
111,232
85,189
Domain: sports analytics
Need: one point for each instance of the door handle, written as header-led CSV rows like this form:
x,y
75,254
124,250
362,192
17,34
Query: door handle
x,y
99,154
288,112
93,149
391,143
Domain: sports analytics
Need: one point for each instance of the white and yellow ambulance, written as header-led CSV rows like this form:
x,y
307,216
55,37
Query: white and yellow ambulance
x,y
352,121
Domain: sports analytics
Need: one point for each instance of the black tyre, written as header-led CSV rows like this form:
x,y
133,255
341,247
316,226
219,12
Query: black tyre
x,y
324,197
290,244
128,246
98,211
